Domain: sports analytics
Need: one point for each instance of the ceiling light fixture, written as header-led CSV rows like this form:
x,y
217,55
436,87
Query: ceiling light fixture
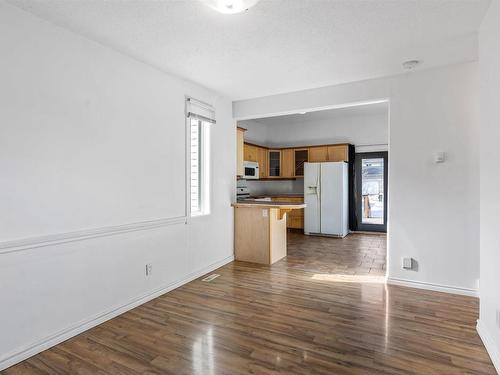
x,y
230,6
302,113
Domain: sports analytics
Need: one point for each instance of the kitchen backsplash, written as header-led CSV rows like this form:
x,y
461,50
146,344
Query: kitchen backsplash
x,y
256,187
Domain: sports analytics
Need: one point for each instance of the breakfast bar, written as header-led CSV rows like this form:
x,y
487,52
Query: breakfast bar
x,y
260,230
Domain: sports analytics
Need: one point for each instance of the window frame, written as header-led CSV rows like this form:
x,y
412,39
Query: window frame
x,y
204,161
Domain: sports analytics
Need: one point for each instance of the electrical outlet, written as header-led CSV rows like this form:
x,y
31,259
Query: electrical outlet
x,y
149,269
408,263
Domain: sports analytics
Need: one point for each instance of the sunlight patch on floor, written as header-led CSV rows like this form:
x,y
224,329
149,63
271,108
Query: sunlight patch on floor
x,y
375,279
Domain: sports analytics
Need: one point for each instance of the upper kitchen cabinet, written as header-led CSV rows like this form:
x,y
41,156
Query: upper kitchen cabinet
x,y
329,153
257,154
318,154
301,156
240,138
287,164
338,153
250,152
262,159
274,163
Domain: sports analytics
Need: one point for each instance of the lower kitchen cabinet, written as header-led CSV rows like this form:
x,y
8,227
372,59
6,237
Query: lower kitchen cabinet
x,y
295,218
295,221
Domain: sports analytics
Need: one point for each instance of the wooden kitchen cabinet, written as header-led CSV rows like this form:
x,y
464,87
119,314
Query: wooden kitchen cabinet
x,y
262,155
329,153
250,152
338,153
287,164
295,218
260,231
295,221
318,154
274,157
240,132
300,156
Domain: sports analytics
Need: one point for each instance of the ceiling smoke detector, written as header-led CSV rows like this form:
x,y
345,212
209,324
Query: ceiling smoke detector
x,y
411,64
230,6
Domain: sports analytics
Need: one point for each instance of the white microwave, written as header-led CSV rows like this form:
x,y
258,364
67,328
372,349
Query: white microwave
x,y
251,170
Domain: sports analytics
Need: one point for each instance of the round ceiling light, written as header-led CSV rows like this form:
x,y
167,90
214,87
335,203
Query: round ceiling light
x,y
230,6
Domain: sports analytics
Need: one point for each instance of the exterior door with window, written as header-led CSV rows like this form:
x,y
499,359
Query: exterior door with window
x,y
371,191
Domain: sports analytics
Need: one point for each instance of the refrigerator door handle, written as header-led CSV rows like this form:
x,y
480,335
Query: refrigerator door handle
x,y
318,194
318,183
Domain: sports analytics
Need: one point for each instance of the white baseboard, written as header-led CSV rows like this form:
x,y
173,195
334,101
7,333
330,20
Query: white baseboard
x,y
434,287
492,350
63,335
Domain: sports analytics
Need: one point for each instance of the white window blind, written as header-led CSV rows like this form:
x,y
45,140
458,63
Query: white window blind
x,y
200,110
199,117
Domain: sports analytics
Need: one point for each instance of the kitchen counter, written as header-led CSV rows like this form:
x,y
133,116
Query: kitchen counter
x,y
269,204
280,196
260,229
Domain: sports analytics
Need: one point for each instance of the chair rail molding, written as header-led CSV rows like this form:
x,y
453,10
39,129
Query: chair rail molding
x,y
81,235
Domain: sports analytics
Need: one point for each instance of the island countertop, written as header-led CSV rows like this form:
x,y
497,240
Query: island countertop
x,y
282,195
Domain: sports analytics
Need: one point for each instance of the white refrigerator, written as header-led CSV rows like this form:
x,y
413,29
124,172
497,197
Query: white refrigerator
x,y
326,195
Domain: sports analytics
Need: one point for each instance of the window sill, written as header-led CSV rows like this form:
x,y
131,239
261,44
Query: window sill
x,y
199,214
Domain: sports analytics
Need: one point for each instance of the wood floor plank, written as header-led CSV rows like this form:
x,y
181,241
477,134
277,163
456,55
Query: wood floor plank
x,y
324,309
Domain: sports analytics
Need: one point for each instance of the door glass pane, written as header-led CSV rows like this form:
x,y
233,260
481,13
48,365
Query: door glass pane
x,y
372,194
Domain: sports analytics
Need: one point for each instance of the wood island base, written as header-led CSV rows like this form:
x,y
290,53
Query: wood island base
x,y
260,231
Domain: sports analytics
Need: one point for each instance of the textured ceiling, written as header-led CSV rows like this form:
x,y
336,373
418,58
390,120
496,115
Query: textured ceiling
x,y
328,114
278,45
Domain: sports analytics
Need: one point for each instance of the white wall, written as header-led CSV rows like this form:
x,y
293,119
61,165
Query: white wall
x,y
92,149
433,208
359,130
489,63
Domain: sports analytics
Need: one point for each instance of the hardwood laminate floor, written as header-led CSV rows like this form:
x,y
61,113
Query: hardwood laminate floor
x,y
322,310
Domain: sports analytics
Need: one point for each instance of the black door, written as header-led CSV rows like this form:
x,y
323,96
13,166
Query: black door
x,y
371,191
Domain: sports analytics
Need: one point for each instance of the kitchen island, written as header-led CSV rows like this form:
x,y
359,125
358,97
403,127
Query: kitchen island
x,y
260,230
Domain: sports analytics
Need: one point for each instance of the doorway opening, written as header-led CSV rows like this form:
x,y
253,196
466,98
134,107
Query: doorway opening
x,y
288,147
370,191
